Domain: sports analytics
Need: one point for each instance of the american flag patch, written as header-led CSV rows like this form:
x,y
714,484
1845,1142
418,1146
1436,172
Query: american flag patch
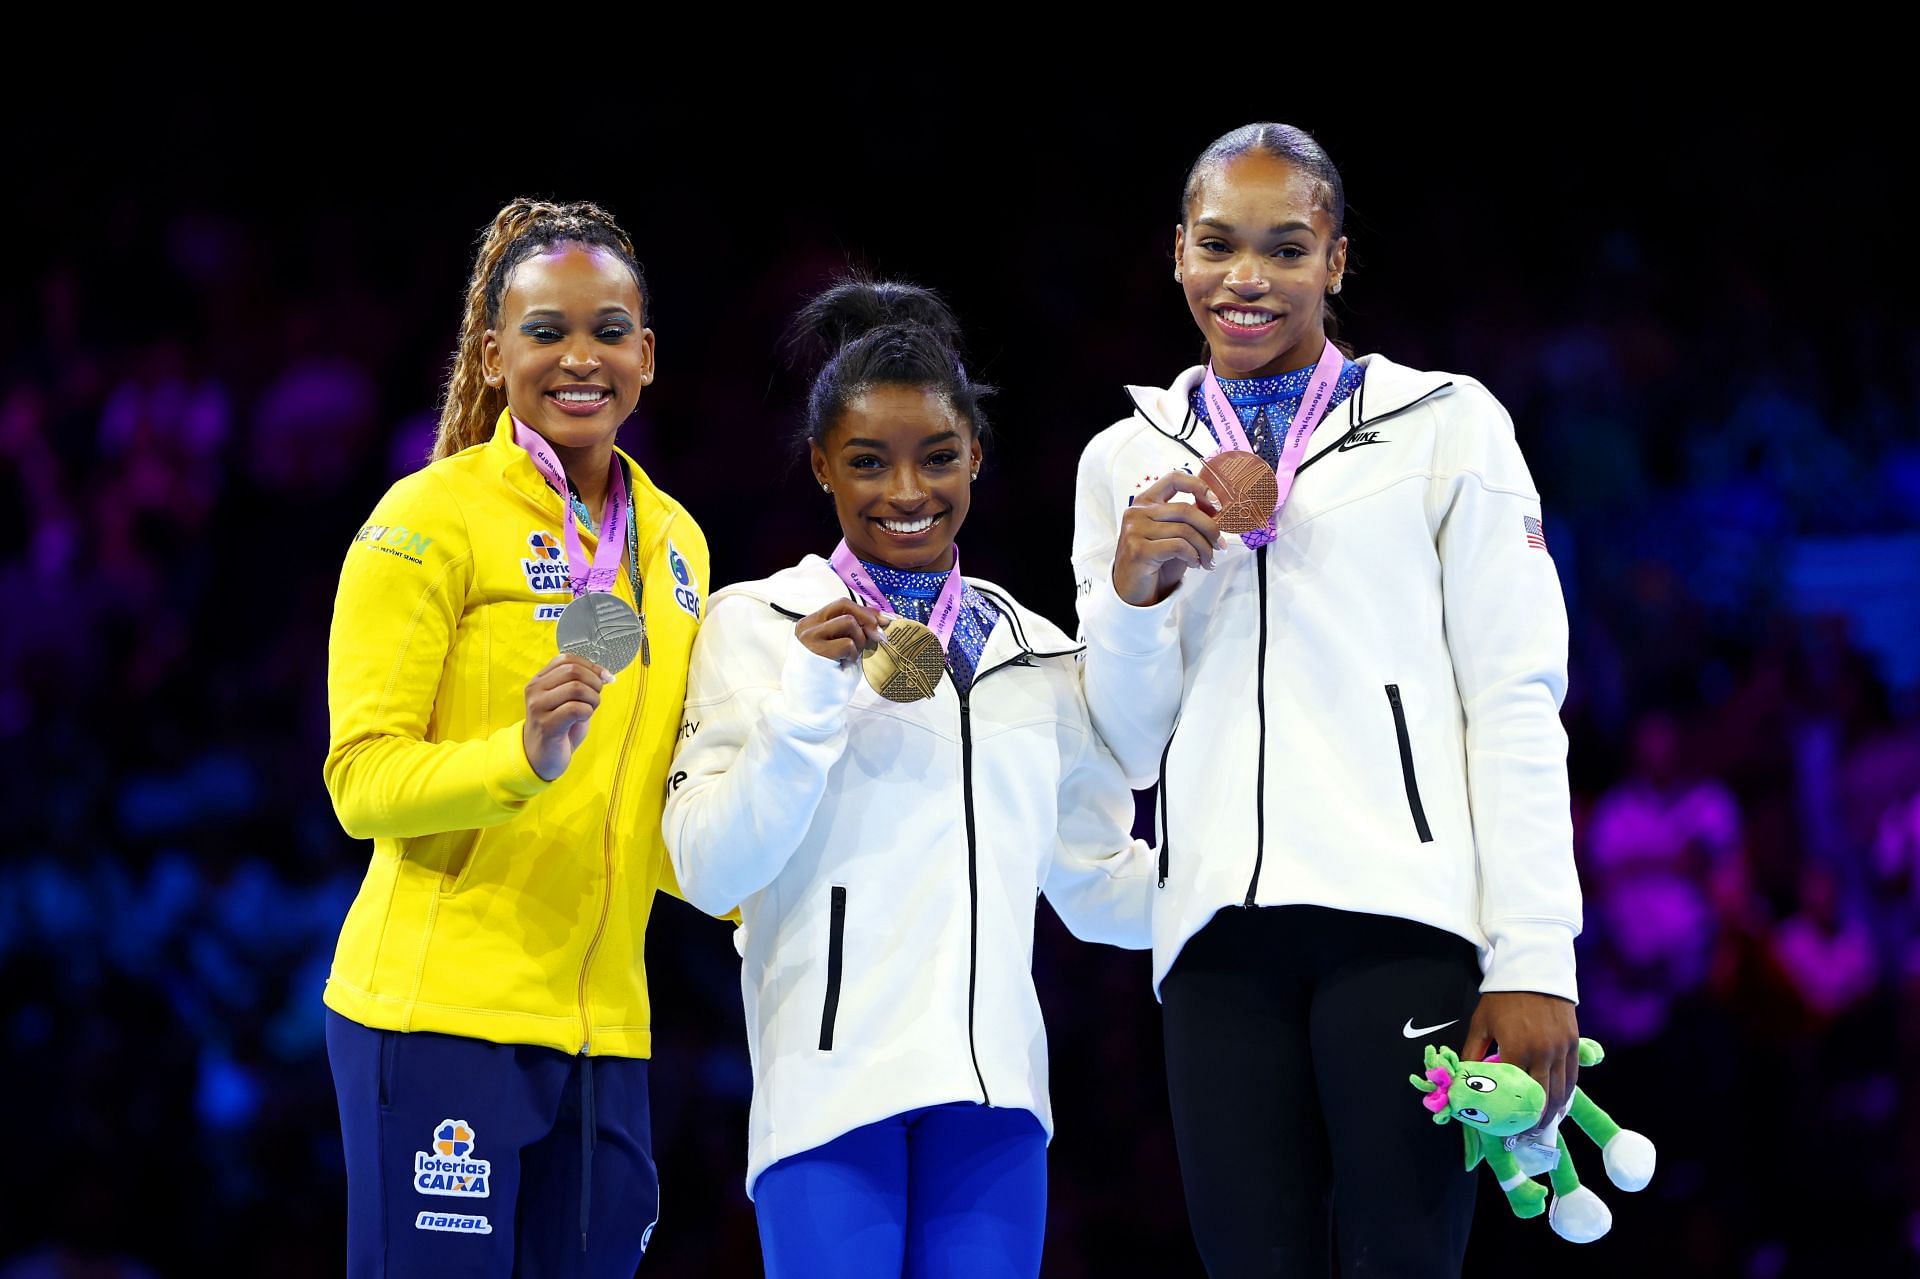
x,y
1536,536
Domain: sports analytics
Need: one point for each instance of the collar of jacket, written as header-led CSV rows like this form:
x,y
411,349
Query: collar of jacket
x,y
812,584
1387,389
653,510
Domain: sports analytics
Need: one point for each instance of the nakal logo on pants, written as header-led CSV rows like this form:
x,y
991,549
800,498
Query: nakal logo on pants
x,y
450,1168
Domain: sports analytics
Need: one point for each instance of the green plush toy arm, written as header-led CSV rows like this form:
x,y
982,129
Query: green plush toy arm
x,y
1527,1197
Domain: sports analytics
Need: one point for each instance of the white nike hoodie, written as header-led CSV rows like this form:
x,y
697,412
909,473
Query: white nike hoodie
x,y
886,860
1365,714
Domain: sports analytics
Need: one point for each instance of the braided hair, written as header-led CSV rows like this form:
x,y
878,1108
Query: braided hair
x,y
519,231
882,333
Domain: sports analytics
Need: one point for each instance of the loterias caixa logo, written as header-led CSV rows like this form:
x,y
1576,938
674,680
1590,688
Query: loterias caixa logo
x,y
450,1168
546,570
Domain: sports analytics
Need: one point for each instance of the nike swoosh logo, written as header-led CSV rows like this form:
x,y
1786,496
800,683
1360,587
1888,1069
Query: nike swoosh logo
x,y
1350,445
1410,1031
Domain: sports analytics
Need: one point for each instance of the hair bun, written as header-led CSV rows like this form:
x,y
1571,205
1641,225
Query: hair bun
x,y
853,308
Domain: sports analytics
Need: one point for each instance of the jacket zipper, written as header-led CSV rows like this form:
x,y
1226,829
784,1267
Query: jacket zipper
x,y
1260,707
606,858
973,857
973,885
1166,752
1406,765
836,945
1260,674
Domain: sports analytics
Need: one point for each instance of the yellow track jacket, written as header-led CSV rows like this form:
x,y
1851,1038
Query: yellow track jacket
x,y
499,906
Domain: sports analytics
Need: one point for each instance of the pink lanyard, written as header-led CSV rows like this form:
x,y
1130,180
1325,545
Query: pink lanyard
x,y
1313,406
946,609
613,521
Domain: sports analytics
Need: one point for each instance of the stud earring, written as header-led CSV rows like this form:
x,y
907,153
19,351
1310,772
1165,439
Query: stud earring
x,y
826,488
1176,276
1334,287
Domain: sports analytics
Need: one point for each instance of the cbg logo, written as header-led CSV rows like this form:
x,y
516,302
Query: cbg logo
x,y
450,1168
686,592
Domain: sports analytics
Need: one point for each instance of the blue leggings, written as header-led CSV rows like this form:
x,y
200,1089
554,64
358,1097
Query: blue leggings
x,y
954,1190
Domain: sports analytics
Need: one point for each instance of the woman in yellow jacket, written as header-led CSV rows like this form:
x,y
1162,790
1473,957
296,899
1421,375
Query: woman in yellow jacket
x,y
488,1023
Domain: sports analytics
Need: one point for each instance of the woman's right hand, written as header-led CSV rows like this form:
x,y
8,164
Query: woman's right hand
x,y
841,631
1161,539
560,700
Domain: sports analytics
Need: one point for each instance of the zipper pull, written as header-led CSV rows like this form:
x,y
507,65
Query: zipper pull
x,y
646,646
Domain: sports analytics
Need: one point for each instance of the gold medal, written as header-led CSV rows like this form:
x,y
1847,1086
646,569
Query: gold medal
x,y
907,663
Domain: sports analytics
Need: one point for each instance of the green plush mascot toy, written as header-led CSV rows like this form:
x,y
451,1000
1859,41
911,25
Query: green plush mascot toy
x,y
1496,1103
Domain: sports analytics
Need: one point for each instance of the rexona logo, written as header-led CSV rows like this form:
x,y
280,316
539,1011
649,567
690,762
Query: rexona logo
x,y
547,570
450,1168
686,591
456,1223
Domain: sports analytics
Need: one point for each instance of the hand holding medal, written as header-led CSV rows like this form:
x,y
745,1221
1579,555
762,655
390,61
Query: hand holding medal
x,y
1160,539
841,631
560,700
902,660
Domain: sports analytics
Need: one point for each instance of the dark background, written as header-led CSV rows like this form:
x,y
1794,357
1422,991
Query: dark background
x,y
227,318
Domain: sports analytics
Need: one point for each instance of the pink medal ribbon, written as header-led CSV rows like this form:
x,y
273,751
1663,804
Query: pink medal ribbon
x,y
946,608
613,521
1232,436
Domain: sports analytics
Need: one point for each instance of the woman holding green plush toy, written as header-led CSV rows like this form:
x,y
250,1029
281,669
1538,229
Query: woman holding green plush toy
x,y
1321,616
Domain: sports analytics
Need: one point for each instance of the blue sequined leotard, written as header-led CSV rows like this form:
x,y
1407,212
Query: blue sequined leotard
x,y
1263,401
912,595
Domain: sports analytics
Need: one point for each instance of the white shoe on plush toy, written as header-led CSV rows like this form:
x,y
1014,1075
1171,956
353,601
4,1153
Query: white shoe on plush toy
x,y
1580,1217
1629,1160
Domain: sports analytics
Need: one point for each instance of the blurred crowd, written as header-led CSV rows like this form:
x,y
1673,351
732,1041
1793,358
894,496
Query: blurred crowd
x,y
180,473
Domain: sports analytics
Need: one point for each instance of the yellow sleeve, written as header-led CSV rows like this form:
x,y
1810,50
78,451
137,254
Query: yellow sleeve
x,y
403,589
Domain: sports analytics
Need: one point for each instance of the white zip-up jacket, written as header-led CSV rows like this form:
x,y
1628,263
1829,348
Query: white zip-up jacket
x,y
1365,714
886,860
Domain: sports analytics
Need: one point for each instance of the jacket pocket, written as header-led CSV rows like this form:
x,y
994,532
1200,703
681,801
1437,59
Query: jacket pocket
x,y
1406,765
389,1063
836,944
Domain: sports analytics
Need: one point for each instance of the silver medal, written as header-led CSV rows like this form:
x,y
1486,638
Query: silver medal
x,y
602,628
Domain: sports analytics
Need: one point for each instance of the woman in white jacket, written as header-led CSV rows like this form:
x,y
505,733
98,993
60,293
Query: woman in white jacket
x,y
1351,711
886,856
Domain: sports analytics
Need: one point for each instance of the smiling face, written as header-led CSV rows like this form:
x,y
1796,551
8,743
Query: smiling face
x,y
1256,259
899,461
570,348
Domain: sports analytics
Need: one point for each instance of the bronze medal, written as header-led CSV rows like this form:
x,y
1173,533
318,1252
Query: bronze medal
x,y
1246,487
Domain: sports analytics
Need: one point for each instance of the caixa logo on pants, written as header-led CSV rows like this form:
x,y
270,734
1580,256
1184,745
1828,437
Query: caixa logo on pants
x,y
449,1168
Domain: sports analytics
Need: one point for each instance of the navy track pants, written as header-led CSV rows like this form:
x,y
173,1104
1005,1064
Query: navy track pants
x,y
467,1158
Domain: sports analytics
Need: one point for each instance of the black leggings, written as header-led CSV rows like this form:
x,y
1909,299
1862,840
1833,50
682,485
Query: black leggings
x,y
1301,1141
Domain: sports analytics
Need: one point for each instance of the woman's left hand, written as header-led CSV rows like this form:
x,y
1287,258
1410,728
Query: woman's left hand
x,y
1538,1033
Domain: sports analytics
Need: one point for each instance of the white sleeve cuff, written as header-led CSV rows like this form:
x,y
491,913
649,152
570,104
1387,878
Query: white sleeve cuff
x,y
815,690
1120,627
1533,955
